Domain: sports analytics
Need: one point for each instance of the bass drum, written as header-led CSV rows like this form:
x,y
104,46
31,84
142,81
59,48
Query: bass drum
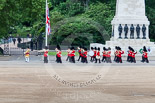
x,y
91,53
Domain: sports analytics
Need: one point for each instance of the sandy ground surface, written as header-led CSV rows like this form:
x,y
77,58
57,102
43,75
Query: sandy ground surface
x,y
36,82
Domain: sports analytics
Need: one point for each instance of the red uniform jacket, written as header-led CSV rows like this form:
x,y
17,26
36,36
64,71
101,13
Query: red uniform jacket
x,y
95,53
73,53
104,53
133,54
129,53
98,53
109,54
68,53
80,52
120,53
85,54
145,55
116,53
59,54
45,53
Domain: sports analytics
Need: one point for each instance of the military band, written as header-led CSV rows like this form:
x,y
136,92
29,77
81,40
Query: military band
x,y
95,54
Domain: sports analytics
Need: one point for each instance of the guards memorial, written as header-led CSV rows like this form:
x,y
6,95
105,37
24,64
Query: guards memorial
x,y
130,27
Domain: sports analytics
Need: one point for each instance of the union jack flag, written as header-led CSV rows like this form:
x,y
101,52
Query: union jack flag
x,y
48,27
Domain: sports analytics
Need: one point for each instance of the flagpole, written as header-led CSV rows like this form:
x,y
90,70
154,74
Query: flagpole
x,y
46,25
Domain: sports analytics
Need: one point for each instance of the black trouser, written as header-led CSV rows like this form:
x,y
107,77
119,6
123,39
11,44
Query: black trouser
x,y
91,59
85,60
128,58
115,58
108,60
45,59
133,60
73,59
119,60
56,58
70,60
59,60
79,57
104,59
94,58
67,58
97,60
82,59
145,60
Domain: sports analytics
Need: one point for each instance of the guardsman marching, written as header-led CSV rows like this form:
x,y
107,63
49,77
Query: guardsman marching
x,y
98,56
129,54
85,56
133,60
115,53
92,57
46,55
119,55
104,54
72,55
68,54
108,56
145,55
95,52
80,54
58,55
27,55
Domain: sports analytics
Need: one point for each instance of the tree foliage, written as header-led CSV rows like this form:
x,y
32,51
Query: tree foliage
x,y
28,16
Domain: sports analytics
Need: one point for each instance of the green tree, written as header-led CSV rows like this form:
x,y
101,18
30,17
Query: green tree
x,y
101,13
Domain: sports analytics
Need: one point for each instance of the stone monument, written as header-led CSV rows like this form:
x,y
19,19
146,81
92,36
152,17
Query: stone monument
x,y
129,14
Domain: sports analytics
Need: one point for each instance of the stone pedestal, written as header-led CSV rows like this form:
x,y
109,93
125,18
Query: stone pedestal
x,y
130,12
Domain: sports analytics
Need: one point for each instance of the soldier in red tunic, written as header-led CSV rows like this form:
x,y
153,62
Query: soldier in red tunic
x,y
145,55
104,54
68,54
85,56
98,56
133,60
119,55
58,55
80,54
108,56
72,55
129,54
92,57
115,53
46,55
95,52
